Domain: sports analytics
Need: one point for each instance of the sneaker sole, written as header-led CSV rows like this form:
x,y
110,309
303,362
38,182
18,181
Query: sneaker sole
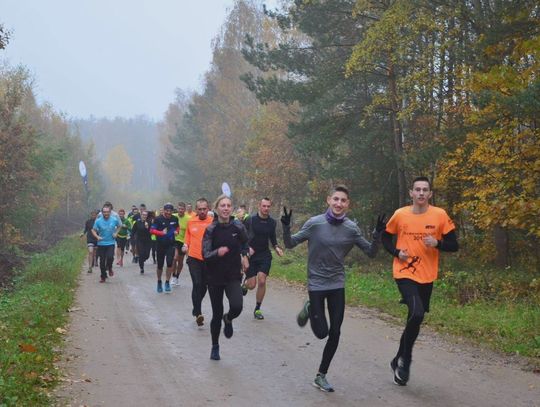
x,y
321,388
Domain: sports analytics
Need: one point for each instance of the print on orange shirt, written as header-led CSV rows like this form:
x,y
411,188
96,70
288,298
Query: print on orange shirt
x,y
422,265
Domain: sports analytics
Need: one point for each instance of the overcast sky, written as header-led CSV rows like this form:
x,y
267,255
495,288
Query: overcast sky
x,y
112,57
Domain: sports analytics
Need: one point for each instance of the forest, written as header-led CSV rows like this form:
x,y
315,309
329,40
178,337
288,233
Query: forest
x,y
372,94
302,97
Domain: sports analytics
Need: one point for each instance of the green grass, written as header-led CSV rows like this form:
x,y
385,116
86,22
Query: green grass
x,y
29,317
508,322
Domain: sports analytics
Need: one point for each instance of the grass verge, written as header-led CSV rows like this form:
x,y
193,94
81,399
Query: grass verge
x,y
504,323
32,317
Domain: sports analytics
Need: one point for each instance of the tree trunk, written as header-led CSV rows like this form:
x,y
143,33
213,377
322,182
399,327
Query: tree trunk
x,y
398,136
501,241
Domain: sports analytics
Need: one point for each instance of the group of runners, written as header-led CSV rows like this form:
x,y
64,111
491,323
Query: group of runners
x,y
229,253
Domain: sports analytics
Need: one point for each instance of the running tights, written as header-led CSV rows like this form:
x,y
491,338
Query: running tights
x,y
233,291
417,297
336,309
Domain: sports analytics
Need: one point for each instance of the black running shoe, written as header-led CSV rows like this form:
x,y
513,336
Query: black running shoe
x,y
398,378
214,354
228,328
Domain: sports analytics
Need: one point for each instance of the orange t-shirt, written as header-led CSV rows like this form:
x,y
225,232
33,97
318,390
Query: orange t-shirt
x,y
423,264
194,236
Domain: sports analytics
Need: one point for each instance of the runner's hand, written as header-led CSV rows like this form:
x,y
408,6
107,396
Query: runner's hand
x,y
403,254
222,251
245,264
381,223
286,217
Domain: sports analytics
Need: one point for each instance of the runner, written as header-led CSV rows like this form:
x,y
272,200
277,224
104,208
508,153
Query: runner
x,y
422,231
180,237
129,244
241,214
122,236
261,230
91,241
189,210
104,230
141,232
195,261
225,251
135,216
165,228
330,237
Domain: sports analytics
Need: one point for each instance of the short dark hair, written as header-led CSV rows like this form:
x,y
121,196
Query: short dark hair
x,y
339,188
182,204
421,178
201,200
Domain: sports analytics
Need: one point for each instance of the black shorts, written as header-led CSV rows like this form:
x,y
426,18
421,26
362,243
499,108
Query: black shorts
x,y
410,288
165,253
121,242
179,245
259,264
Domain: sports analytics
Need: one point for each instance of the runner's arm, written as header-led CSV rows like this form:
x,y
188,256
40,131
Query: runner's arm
x,y
448,243
370,249
207,251
244,238
388,243
303,234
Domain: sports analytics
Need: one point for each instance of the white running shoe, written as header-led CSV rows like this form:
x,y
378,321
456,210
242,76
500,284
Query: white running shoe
x,y
175,281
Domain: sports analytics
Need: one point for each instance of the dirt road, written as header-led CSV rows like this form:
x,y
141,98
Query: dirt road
x,y
129,346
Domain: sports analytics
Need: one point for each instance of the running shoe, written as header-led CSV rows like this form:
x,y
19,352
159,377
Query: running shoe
x,y
89,270
167,287
321,383
111,273
159,287
258,314
102,280
401,371
214,354
303,316
199,320
244,290
142,271
175,281
227,328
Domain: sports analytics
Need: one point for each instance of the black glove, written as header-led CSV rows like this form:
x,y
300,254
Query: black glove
x,y
381,223
286,217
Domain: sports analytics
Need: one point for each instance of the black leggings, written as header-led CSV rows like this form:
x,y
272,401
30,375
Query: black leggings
x,y
143,249
233,291
336,309
106,258
197,269
417,297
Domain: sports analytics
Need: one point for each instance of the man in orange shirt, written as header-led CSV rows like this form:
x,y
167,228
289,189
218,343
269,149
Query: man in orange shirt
x,y
422,231
195,229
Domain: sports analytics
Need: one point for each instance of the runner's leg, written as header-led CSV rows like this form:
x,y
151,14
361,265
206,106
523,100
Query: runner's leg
x,y
216,299
336,311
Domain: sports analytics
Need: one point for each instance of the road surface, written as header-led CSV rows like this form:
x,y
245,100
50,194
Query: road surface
x,y
130,346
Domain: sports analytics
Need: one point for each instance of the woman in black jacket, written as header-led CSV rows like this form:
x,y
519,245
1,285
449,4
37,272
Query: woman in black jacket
x,y
225,251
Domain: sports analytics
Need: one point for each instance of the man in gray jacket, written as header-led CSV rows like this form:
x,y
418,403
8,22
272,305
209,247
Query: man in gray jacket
x,y
330,237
